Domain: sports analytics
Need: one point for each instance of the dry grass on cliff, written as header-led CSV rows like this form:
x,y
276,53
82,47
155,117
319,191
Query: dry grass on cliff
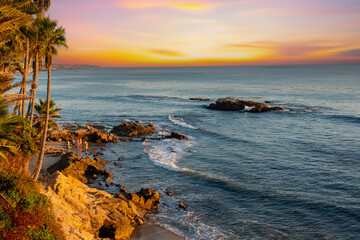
x,y
24,212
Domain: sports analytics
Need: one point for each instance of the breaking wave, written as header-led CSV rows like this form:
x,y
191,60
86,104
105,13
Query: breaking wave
x,y
181,122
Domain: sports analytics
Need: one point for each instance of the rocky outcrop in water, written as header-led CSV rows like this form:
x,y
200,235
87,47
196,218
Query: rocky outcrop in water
x,y
234,104
178,136
169,192
182,205
87,133
131,129
200,99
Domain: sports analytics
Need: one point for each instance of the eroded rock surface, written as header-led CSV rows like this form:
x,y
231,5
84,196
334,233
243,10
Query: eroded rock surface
x,y
85,170
234,104
131,129
89,213
87,133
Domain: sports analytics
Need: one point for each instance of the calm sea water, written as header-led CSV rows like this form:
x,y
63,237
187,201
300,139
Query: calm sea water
x,y
293,174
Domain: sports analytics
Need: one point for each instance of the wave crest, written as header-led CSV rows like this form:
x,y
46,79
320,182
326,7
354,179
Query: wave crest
x,y
181,122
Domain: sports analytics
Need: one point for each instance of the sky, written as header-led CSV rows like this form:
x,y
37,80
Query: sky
x,y
154,33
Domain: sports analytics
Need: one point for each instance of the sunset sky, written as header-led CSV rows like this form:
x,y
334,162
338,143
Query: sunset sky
x,y
130,33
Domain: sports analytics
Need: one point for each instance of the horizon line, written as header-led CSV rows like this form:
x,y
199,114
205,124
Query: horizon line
x,y
197,66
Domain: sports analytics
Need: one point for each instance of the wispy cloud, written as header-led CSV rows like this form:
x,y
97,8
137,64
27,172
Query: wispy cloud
x,y
182,5
349,53
295,49
167,53
303,50
245,46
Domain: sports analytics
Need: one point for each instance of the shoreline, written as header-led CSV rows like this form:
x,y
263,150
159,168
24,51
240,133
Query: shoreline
x,y
153,232
145,231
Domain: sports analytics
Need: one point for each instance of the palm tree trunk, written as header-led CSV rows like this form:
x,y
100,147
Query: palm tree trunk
x,y
36,173
34,87
25,76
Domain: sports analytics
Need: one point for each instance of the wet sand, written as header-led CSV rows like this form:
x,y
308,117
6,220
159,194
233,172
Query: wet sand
x,y
153,232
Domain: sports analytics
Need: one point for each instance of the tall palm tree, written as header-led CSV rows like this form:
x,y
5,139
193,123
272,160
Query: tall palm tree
x,y
52,37
41,6
15,22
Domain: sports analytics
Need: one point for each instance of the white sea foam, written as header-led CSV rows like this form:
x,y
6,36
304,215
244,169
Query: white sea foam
x,y
247,108
166,153
181,122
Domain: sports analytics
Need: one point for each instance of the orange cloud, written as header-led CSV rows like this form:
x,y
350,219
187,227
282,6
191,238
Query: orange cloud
x,y
183,5
295,49
167,53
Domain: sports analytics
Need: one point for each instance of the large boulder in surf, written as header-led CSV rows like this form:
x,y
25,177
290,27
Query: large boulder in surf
x,y
131,129
234,104
177,136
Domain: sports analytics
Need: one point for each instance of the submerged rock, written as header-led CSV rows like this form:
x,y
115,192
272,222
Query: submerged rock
x,y
234,104
169,192
200,99
131,129
182,205
177,136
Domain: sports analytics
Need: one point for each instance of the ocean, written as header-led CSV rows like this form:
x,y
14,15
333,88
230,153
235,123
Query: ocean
x,y
293,174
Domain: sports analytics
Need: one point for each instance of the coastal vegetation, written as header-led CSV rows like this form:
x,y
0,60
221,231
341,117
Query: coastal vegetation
x,y
27,38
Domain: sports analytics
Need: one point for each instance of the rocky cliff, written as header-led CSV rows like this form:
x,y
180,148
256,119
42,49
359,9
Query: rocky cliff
x,y
89,213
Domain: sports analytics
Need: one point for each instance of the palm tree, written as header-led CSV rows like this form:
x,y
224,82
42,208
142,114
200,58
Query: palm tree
x,y
41,6
12,17
8,123
6,84
38,52
52,37
41,114
15,22
26,32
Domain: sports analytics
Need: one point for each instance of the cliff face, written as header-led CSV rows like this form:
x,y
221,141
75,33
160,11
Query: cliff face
x,y
88,213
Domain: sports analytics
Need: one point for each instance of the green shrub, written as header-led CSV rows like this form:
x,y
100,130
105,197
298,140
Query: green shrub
x,y
21,190
5,219
40,234
32,200
29,139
